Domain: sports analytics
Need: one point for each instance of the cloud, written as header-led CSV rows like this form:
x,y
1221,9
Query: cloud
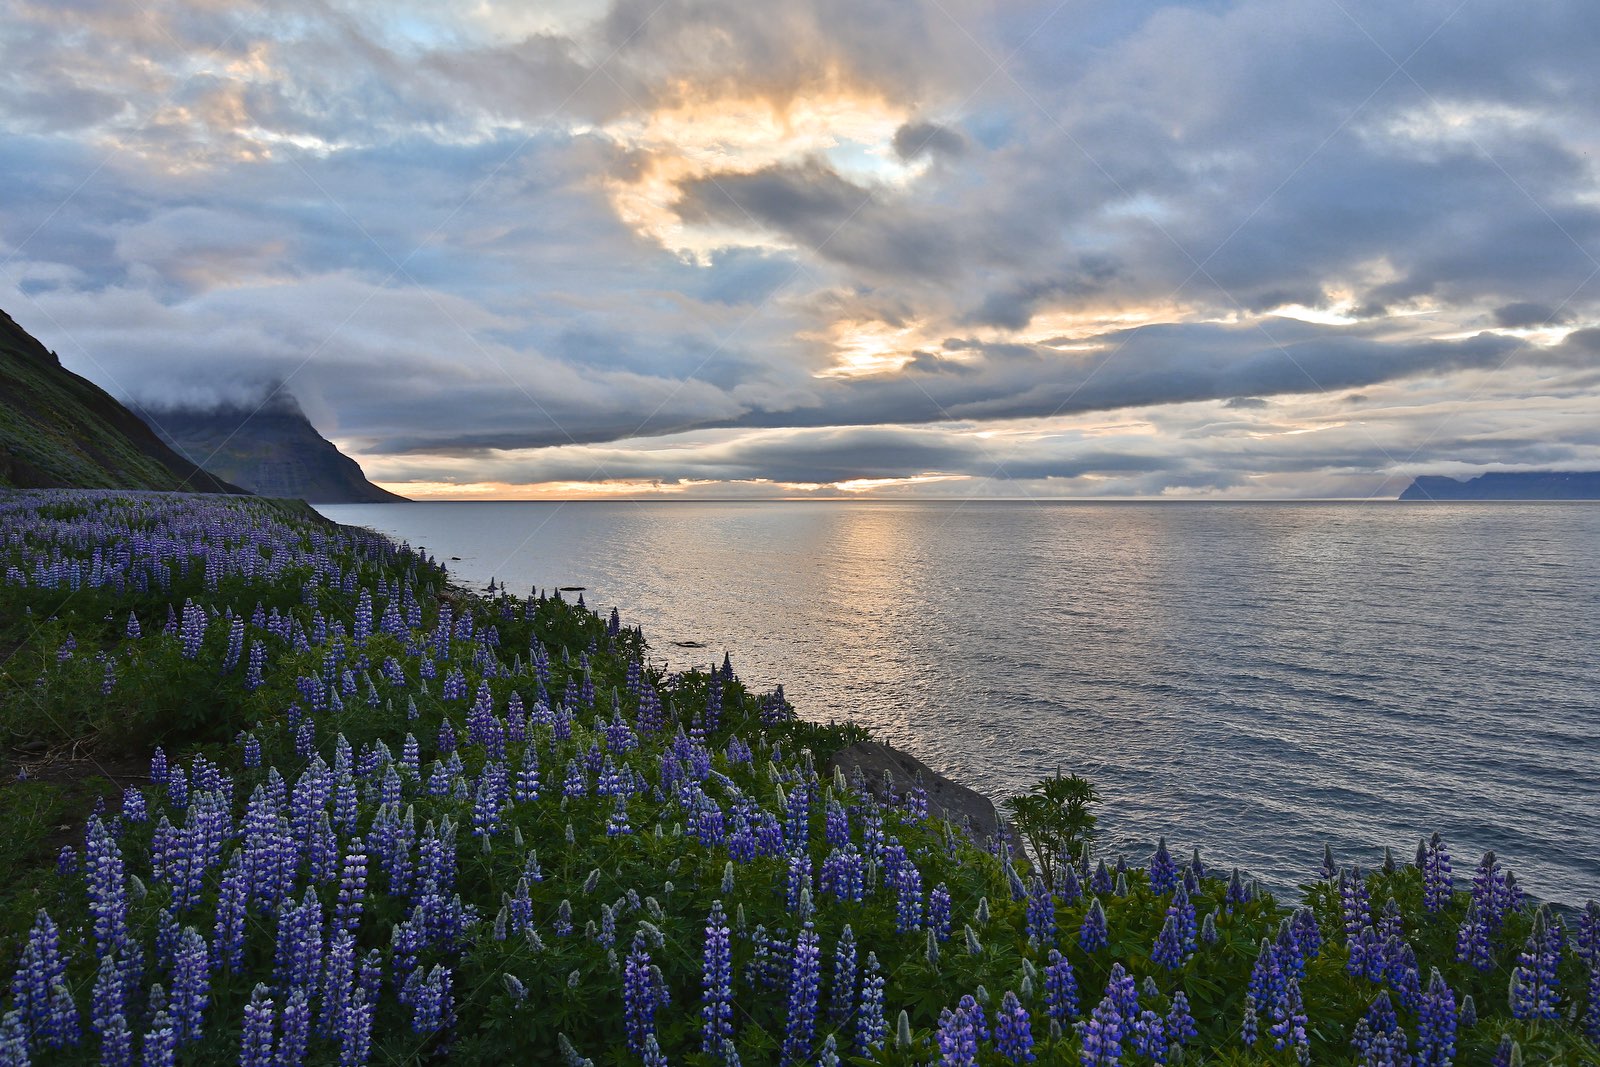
x,y
466,236
1528,313
917,139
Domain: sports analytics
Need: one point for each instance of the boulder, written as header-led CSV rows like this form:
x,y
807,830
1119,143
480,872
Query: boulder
x,y
964,807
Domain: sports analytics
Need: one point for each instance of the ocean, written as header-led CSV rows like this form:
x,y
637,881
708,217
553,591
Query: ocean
x,y
1248,679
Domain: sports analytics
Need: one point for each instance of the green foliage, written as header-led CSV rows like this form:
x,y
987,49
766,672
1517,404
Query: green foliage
x,y
1054,820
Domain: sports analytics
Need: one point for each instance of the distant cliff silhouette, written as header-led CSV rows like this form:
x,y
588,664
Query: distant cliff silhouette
x,y
60,430
1508,485
270,449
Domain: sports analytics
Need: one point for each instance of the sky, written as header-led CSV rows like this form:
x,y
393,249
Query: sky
x,y
825,248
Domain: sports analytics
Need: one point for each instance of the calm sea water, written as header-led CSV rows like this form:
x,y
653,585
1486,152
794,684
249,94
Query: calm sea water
x,y
1252,679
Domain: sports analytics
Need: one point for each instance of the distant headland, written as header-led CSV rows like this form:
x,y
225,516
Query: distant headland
x,y
1508,485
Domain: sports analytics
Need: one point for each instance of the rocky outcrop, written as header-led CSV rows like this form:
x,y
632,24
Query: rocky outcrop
x,y
888,769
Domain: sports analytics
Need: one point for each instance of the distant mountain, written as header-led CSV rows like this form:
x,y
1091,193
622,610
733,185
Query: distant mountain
x,y
1508,485
58,430
272,450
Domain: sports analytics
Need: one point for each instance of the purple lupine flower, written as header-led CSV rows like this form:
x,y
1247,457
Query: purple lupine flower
x,y
1586,946
1068,889
107,888
1060,988
841,1003
232,901
432,1003
1163,871
716,1010
108,999
970,1007
192,631
1378,1036
355,1030
338,983
133,806
617,824
1092,936
1493,891
160,1043
844,874
1013,1036
1237,893
1181,1028
256,1044
576,783
526,790
1169,949
908,897
939,912
1041,914
352,886
873,840
1124,992
1402,974
1472,940
1102,1036
1101,883
1533,981
1307,934
191,985
644,992
43,971
13,1040
1150,1037
957,1040
798,881
837,827
797,818
1436,1024
804,985
871,1026
299,950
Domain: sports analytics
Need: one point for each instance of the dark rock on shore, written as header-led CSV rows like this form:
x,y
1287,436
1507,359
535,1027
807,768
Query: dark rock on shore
x,y
947,799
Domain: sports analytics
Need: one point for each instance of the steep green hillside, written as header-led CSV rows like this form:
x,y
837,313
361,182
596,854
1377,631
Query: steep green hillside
x,y
57,429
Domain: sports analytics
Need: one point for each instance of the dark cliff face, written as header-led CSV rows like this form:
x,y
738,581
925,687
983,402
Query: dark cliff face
x,y
1508,485
59,430
272,450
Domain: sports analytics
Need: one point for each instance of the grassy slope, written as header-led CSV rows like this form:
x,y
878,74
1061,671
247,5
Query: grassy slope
x,y
58,429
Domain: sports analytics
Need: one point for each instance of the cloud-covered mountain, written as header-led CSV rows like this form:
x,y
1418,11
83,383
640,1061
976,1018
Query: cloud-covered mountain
x,y
269,447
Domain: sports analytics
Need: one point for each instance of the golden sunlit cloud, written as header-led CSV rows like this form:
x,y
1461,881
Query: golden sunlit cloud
x,y
866,485
861,349
709,136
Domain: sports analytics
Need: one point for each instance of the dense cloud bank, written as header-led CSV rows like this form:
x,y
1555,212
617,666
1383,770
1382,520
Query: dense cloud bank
x,y
1245,247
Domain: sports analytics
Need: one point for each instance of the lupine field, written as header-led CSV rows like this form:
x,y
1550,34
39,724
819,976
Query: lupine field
x,y
378,820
